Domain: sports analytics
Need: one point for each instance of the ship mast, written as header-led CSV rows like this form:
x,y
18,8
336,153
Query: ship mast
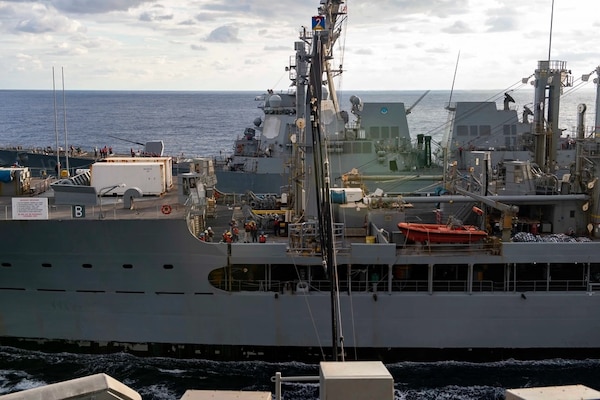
x,y
56,126
550,78
325,33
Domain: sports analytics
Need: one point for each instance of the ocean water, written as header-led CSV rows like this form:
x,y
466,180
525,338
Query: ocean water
x,y
167,379
203,124
206,123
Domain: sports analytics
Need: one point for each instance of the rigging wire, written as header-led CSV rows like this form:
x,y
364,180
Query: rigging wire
x,y
310,313
454,78
279,80
339,78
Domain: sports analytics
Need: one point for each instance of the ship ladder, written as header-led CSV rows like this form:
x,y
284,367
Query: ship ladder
x,y
197,226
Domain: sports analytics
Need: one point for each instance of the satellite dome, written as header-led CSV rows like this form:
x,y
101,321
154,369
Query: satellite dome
x,y
274,101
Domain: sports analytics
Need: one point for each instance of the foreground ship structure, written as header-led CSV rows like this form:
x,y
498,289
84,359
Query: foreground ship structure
x,y
123,264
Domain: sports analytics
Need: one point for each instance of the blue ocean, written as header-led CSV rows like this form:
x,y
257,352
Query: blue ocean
x,y
205,124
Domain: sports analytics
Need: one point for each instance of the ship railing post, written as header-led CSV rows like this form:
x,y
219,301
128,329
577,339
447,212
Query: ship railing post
x,y
104,191
278,379
278,386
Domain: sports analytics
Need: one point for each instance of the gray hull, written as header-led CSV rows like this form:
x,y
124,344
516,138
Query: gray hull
x,y
100,281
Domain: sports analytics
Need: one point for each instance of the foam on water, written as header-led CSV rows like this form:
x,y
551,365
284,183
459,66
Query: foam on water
x,y
166,378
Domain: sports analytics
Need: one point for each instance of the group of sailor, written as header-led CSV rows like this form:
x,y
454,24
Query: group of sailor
x,y
207,235
251,230
231,235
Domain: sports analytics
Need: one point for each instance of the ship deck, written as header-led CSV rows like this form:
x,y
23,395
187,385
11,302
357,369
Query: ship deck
x,y
168,206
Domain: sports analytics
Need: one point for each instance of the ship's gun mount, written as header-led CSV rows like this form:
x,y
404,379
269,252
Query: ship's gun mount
x,y
508,211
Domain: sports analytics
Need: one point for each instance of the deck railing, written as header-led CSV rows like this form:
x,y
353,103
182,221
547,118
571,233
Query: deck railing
x,y
410,286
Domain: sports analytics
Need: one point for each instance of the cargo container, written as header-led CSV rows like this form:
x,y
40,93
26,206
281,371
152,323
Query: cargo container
x,y
116,177
166,161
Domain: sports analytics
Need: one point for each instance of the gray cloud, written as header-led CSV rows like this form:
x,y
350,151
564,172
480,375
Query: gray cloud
x,y
156,13
228,7
154,16
368,12
277,48
48,22
224,34
268,12
198,47
6,11
96,6
188,22
34,26
458,27
500,24
203,17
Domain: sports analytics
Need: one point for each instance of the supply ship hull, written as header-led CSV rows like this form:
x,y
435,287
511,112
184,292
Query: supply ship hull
x,y
94,262
97,293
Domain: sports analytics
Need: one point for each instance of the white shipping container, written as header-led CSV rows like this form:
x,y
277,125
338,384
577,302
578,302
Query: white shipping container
x,y
148,177
166,161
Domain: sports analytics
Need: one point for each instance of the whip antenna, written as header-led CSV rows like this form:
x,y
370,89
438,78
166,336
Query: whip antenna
x,y
550,39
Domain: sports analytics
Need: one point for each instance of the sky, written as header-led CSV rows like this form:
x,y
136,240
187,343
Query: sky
x,y
246,44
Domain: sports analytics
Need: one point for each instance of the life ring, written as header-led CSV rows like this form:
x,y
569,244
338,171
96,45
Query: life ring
x,y
166,209
302,287
216,195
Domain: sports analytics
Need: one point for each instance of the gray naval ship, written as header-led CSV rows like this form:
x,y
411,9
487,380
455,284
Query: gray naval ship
x,y
127,257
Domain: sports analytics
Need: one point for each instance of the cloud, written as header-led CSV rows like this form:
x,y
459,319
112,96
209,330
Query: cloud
x,y
198,47
97,6
68,49
500,24
155,16
229,7
26,62
189,22
364,51
6,11
371,13
45,21
204,17
270,49
458,27
224,34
